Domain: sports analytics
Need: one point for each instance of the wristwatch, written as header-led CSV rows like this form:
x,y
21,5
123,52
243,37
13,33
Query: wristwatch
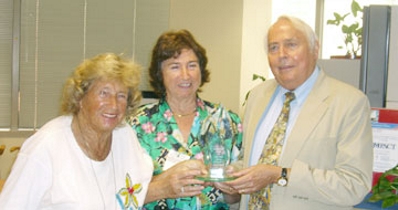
x,y
282,181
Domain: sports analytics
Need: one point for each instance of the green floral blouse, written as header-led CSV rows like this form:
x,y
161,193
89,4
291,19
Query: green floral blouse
x,y
158,133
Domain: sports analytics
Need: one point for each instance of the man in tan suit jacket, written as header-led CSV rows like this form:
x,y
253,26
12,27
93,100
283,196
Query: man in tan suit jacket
x,y
327,151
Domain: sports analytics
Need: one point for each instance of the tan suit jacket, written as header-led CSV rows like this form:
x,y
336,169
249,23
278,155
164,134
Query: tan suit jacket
x,y
329,149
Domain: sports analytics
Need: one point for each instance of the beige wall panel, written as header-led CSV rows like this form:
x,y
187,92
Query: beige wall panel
x,y
217,25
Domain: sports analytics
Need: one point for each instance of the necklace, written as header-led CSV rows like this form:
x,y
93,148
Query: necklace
x,y
97,182
87,150
184,115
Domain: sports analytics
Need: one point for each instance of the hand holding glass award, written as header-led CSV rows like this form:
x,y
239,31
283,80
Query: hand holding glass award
x,y
215,130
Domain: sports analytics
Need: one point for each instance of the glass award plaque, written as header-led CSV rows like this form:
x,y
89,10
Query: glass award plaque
x,y
216,153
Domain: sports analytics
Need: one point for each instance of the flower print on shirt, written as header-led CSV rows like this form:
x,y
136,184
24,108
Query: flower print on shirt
x,y
161,136
168,114
126,196
148,127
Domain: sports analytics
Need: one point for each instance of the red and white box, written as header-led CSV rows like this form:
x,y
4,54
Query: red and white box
x,y
385,140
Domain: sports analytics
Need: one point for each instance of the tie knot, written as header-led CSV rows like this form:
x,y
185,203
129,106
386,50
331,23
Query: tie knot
x,y
289,97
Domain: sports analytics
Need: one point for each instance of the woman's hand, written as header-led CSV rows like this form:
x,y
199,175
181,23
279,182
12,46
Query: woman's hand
x,y
178,181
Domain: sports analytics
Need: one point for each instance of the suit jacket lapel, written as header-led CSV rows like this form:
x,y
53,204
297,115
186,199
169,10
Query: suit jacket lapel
x,y
311,113
261,98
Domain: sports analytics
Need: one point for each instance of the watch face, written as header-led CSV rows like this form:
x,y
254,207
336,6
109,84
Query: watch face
x,y
282,182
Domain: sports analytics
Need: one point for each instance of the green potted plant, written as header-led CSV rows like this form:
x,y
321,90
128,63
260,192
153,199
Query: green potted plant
x,y
386,188
255,77
352,32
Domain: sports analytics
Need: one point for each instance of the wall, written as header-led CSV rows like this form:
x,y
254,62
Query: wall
x,y
257,17
233,32
345,70
217,25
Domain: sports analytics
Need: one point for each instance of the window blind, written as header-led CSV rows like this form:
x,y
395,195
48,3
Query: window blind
x,y
6,15
57,35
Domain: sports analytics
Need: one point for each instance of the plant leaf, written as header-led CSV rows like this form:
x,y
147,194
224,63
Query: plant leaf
x,y
355,8
386,187
246,97
256,76
388,202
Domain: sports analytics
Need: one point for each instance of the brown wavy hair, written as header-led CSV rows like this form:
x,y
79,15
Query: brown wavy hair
x,y
170,44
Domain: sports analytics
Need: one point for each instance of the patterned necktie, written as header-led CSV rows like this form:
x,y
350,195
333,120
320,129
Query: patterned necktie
x,y
270,155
